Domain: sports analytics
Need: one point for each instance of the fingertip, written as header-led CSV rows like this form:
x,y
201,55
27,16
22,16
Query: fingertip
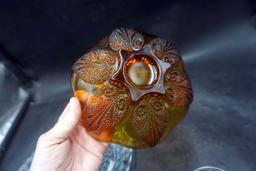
x,y
68,121
75,106
73,100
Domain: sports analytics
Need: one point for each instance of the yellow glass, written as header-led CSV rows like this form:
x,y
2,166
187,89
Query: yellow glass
x,y
132,87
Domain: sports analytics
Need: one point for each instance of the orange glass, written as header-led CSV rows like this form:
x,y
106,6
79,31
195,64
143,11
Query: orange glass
x,y
132,87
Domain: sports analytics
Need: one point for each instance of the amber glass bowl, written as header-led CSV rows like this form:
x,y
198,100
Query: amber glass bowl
x,y
132,87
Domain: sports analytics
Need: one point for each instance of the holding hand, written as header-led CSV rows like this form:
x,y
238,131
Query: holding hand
x,y
67,146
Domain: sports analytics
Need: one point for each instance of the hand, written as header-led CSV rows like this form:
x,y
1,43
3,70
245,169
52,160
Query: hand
x,y
67,146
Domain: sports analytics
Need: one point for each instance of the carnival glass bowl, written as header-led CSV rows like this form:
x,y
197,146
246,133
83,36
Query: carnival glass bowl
x,y
133,88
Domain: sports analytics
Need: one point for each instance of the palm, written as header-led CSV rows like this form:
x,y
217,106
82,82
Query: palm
x,y
80,151
67,146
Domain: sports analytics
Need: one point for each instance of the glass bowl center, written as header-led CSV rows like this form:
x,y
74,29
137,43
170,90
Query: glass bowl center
x,y
141,71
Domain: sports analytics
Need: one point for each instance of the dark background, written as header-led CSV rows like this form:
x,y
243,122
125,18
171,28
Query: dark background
x,y
40,40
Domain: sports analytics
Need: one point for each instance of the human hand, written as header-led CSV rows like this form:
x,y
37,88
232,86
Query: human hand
x,y
67,146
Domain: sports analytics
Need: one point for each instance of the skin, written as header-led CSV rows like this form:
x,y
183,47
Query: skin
x,y
67,146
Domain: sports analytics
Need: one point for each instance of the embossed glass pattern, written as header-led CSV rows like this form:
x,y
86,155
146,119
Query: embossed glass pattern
x,y
132,87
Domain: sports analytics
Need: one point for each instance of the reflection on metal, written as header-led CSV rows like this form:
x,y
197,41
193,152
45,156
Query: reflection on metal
x,y
118,158
13,100
235,39
209,168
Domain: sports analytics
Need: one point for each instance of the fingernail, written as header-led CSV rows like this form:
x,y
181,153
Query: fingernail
x,y
71,99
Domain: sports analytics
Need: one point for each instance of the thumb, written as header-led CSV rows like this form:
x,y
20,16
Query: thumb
x,y
67,121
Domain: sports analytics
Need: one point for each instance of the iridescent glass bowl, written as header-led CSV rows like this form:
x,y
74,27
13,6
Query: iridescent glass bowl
x,y
133,88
